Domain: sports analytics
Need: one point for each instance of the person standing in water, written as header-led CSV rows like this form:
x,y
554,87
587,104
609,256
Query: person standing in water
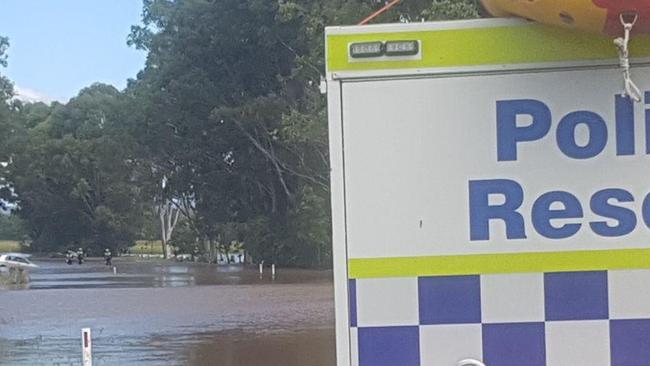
x,y
80,255
69,255
108,257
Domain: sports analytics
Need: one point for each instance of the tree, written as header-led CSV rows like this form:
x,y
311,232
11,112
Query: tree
x,y
12,228
6,87
206,56
7,125
184,237
230,115
169,210
221,138
73,175
453,9
4,45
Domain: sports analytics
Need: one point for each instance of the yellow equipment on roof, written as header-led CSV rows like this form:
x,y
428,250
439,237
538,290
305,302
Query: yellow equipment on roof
x,y
601,16
616,18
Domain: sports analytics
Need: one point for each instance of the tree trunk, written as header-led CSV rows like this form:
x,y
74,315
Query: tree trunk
x,y
169,215
164,246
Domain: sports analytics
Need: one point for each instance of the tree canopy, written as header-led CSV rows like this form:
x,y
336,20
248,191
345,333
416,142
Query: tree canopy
x,y
224,124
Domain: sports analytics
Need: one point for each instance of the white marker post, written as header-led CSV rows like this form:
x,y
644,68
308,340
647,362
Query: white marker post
x,y
114,270
261,269
86,347
272,271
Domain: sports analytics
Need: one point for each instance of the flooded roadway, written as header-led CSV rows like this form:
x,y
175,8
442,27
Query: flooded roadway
x,y
158,313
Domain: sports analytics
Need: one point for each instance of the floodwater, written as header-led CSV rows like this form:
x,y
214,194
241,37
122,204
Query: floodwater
x,y
159,313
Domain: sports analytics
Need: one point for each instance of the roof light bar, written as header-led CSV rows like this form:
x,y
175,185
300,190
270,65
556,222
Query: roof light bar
x,y
366,49
402,48
389,48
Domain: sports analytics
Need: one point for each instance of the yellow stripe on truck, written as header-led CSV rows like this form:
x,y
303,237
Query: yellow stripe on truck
x,y
524,44
592,260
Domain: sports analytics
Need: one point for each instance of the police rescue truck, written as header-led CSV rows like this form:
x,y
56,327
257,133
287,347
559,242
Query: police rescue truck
x,y
490,193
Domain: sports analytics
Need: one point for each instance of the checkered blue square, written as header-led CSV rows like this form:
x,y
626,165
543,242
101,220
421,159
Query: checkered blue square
x,y
630,340
389,346
576,296
352,299
592,318
514,344
449,300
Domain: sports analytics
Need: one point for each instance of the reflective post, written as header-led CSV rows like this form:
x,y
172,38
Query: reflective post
x,y
86,347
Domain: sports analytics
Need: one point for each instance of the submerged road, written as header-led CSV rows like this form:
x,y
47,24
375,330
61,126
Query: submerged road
x,y
158,313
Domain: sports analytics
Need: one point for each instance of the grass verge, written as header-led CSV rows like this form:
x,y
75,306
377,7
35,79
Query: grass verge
x,y
9,246
147,247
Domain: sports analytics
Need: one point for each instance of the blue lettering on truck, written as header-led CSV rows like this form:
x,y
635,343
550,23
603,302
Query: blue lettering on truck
x,y
609,203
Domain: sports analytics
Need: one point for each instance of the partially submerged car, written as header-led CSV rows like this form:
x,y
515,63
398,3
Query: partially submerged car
x,y
16,261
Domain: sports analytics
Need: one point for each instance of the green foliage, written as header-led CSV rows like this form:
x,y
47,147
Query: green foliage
x,y
234,121
6,87
310,225
225,121
71,173
184,238
453,9
4,45
12,228
150,247
7,115
213,96
261,240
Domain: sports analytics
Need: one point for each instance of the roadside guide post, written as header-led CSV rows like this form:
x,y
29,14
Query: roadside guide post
x,y
490,195
86,347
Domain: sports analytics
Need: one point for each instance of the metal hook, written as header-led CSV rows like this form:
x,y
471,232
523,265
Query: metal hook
x,y
633,14
622,44
470,362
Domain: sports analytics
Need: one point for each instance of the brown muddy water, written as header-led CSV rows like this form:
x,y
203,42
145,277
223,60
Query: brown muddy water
x,y
158,313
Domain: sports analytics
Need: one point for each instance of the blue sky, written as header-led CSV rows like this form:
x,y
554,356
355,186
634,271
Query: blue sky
x,y
60,46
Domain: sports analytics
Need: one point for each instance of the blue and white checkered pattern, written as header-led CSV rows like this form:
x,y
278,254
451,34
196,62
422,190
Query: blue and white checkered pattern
x,y
540,319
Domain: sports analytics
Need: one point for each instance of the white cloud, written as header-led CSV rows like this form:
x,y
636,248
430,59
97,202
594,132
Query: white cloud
x,y
32,96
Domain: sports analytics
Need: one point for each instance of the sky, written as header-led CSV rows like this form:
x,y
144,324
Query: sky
x,y
58,47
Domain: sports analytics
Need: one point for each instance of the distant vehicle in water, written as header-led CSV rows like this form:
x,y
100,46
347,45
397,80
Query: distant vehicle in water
x,y
16,261
17,265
